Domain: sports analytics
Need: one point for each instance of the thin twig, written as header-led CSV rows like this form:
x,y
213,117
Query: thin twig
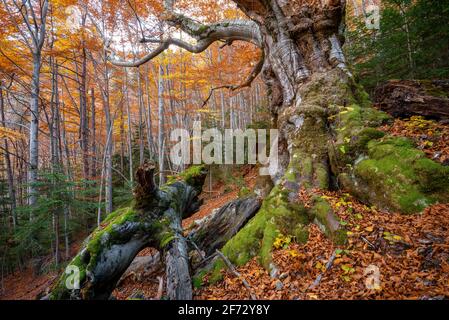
x,y
202,256
329,264
368,242
236,273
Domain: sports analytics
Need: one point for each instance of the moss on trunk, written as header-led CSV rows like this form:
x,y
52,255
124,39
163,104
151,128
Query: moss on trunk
x,y
154,220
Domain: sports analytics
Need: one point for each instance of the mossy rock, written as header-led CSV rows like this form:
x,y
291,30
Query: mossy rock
x,y
400,177
387,172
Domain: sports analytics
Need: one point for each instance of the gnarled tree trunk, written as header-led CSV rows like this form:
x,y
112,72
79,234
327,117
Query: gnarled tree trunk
x,y
327,130
153,221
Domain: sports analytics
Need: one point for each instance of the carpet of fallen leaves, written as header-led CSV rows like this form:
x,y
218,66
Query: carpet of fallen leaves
x,y
408,255
27,285
430,136
141,288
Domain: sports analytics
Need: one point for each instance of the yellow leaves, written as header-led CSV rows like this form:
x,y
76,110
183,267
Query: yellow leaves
x,y
419,123
347,269
206,111
282,242
293,253
312,296
6,133
342,203
391,237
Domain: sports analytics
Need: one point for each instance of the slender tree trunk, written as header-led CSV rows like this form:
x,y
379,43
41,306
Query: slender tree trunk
x,y
93,126
55,160
130,134
161,119
84,116
10,176
411,62
141,122
109,143
148,113
34,133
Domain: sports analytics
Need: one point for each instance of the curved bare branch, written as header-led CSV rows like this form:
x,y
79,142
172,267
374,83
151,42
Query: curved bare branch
x,y
253,75
199,47
205,35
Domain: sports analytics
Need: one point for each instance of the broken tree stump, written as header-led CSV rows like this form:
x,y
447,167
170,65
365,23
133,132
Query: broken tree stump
x,y
154,220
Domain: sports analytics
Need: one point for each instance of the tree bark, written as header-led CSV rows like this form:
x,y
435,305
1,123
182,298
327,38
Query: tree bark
x,y
84,116
407,98
9,172
161,125
34,132
130,134
109,145
153,221
93,126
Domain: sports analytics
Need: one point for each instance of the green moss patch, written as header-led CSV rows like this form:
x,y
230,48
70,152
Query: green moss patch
x,y
401,177
276,216
328,222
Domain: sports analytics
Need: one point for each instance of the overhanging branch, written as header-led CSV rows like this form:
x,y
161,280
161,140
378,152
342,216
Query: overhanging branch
x,y
253,75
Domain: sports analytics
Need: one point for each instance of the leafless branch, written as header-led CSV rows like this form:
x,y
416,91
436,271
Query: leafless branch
x,y
253,75
231,268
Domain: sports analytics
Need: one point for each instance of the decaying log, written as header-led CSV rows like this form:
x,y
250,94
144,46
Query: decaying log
x,y
153,221
406,98
214,231
204,238
147,266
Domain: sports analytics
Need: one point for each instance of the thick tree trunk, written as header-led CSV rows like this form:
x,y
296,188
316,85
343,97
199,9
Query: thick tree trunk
x,y
220,226
328,136
204,237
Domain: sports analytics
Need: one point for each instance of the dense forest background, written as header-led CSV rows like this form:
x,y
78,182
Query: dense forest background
x,y
71,160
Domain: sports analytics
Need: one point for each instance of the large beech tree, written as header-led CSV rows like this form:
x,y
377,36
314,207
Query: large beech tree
x,y
328,135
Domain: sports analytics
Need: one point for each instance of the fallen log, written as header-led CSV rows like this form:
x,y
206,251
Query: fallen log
x,y
214,231
407,98
153,221
204,238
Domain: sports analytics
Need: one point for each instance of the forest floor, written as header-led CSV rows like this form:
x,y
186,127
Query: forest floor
x,y
409,255
27,284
